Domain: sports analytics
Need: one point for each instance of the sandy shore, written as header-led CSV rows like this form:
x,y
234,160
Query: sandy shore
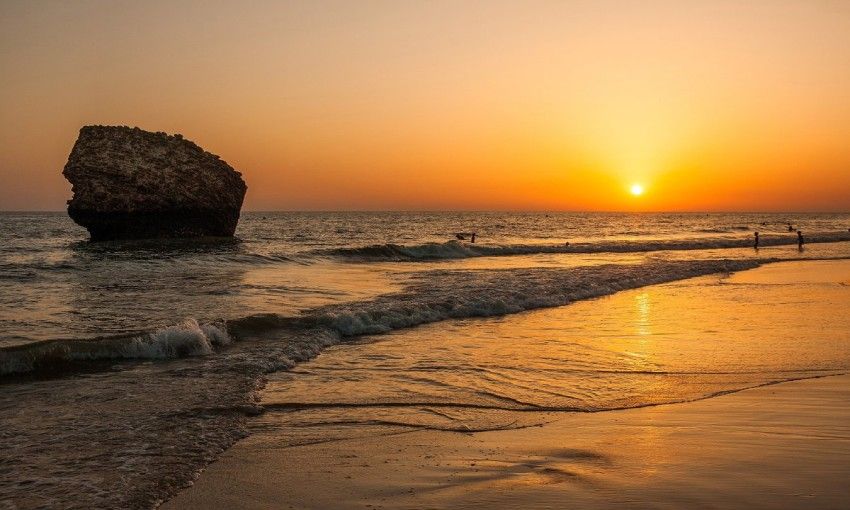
x,y
780,446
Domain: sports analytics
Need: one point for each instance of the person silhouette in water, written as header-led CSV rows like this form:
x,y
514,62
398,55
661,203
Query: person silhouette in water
x,y
799,240
756,244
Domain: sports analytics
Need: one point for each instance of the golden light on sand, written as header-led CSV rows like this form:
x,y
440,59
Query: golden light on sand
x,y
636,189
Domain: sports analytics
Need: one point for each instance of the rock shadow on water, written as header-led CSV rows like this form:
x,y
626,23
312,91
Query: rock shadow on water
x,y
160,247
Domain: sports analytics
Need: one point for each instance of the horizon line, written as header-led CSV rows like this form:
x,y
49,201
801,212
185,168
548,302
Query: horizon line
x,y
507,211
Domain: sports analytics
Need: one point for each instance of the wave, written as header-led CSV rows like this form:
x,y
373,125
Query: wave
x,y
432,296
188,338
460,250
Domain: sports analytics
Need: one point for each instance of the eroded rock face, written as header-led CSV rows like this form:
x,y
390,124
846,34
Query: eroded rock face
x,y
133,184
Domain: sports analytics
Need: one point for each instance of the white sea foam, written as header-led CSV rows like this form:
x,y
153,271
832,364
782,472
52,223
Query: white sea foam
x,y
188,338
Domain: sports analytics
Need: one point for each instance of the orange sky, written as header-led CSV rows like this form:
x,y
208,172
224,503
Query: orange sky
x,y
447,105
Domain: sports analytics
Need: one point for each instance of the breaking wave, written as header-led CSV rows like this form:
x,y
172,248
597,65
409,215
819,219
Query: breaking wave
x,y
433,296
461,250
188,338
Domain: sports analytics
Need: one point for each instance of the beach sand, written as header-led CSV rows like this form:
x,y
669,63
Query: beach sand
x,y
781,445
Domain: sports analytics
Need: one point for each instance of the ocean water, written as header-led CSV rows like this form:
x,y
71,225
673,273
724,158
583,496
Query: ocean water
x,y
639,347
127,367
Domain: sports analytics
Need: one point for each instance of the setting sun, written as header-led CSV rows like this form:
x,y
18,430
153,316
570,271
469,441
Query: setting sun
x,y
636,190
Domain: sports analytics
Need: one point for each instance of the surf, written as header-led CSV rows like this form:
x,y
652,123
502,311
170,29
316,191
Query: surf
x,y
430,296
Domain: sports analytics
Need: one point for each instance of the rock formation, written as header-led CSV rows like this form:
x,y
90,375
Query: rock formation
x,y
133,184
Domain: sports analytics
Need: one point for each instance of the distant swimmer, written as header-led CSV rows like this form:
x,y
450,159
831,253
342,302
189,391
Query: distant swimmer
x,y
790,228
472,240
800,239
756,245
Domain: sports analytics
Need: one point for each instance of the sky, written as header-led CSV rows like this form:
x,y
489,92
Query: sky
x,y
456,105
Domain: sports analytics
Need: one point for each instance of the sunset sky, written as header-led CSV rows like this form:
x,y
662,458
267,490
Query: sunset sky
x,y
446,105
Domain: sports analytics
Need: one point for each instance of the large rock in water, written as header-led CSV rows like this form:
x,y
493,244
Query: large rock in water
x,y
133,184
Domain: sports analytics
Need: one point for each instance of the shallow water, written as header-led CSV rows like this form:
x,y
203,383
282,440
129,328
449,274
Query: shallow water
x,y
638,347
157,348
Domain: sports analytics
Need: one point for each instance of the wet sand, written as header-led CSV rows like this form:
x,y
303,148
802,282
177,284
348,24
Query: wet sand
x,y
780,446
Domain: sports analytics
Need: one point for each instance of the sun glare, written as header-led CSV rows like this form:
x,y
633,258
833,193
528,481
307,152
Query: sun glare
x,y
636,190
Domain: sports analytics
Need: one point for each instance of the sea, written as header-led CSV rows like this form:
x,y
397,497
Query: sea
x,y
127,367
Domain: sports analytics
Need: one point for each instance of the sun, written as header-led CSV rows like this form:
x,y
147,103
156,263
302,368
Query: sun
x,y
636,189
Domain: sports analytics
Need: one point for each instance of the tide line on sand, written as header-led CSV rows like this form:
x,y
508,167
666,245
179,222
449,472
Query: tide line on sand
x,y
778,446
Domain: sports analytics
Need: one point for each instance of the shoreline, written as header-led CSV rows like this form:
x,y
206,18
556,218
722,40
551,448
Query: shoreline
x,y
167,456
781,445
